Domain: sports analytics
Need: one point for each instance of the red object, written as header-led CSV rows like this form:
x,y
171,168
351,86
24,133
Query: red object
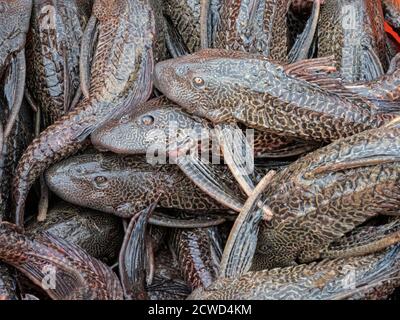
x,y
390,30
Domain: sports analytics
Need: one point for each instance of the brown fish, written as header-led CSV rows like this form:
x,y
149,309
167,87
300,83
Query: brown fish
x,y
254,26
198,252
77,275
14,25
53,49
185,18
358,278
290,100
119,79
126,185
15,144
326,194
154,122
353,31
99,234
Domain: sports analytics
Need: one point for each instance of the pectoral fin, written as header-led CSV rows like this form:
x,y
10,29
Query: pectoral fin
x,y
239,156
352,164
17,87
132,258
175,44
241,245
364,240
372,64
304,42
207,181
184,221
87,47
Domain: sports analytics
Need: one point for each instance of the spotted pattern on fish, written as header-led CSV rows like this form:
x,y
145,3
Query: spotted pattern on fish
x,y
313,209
228,86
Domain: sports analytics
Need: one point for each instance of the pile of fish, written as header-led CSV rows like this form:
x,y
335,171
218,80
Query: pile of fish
x,y
107,188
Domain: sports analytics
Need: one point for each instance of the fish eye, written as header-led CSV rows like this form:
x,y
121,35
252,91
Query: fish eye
x,y
198,82
265,248
148,120
101,182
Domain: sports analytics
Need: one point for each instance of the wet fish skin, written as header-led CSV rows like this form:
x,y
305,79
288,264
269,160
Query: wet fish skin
x,y
119,80
167,283
20,137
125,185
156,120
374,277
353,31
225,86
151,123
185,16
199,253
99,234
8,285
364,239
78,275
254,26
324,195
14,17
53,49
160,47
14,25
386,87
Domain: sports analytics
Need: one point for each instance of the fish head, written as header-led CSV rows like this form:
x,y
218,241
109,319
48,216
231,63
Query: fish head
x,y
14,24
104,182
207,83
148,127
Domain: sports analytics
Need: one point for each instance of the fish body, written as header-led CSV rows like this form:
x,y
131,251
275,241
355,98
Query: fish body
x,y
78,276
353,31
120,78
125,185
160,44
326,194
227,86
20,137
371,277
158,121
254,26
185,18
99,234
198,252
53,50
14,19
